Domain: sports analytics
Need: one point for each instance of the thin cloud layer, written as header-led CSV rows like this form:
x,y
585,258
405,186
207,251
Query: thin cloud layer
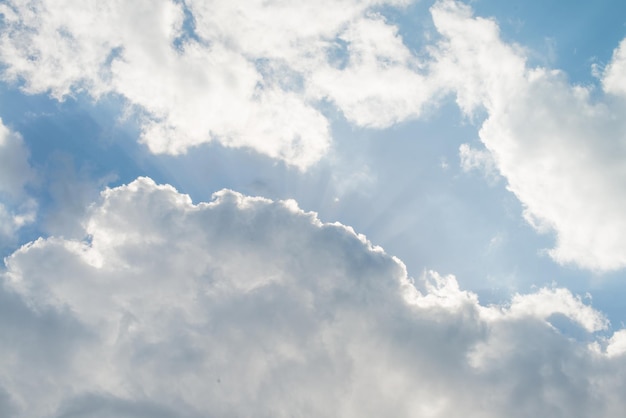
x,y
248,307
16,207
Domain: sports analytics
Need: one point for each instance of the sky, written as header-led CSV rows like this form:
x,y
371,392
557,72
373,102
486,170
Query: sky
x,y
353,208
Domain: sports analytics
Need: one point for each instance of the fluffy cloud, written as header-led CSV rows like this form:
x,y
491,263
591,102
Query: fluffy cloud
x,y
16,208
613,76
249,307
380,83
247,74
560,151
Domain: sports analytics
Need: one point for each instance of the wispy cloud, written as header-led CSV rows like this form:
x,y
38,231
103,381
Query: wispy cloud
x,y
17,208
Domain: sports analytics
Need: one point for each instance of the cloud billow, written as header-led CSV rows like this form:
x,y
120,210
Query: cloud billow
x,y
248,307
245,75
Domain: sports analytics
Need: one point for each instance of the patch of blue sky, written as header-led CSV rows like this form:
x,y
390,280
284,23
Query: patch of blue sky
x,y
567,35
414,25
424,209
188,29
75,146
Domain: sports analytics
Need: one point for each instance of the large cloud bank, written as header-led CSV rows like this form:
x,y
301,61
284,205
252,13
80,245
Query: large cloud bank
x,y
249,307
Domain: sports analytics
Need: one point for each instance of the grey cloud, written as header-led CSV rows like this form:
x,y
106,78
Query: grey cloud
x,y
105,406
249,307
7,408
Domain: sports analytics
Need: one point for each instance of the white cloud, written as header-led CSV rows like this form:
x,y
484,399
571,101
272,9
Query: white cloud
x,y
250,75
476,159
613,76
380,83
560,151
245,306
617,344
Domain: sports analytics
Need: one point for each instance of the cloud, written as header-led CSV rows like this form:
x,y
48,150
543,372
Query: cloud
x,y
476,159
256,81
244,306
260,81
16,207
381,82
613,75
15,171
560,150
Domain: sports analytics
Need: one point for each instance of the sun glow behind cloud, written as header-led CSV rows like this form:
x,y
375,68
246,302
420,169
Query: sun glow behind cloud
x,y
247,306
156,306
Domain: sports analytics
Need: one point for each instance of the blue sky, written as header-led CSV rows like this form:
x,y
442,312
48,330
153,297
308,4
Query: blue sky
x,y
478,144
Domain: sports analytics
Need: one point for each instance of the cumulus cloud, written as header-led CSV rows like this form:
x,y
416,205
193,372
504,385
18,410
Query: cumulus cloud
x,y
16,207
613,75
560,151
245,74
248,307
380,83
